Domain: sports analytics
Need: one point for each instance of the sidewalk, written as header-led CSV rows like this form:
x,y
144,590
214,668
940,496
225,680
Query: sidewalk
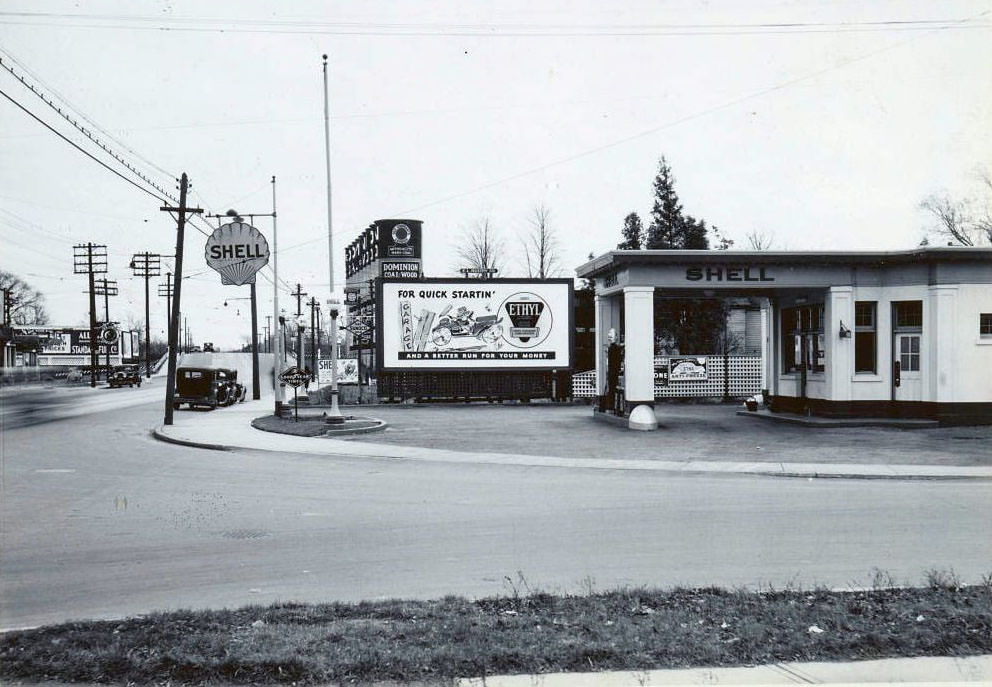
x,y
230,429
929,670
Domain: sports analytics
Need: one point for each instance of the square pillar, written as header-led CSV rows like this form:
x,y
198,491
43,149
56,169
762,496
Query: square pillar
x,y
839,308
639,356
938,341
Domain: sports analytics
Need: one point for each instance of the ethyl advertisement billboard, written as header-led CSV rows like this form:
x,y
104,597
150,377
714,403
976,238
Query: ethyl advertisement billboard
x,y
452,324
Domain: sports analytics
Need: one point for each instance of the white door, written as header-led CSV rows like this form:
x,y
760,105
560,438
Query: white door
x,y
909,357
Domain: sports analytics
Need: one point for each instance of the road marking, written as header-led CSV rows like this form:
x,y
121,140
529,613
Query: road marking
x,y
52,471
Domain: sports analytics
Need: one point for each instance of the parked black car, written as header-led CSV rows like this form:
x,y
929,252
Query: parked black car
x,y
199,386
125,376
207,386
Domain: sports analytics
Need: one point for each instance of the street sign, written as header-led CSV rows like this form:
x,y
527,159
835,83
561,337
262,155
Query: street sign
x,y
237,251
296,377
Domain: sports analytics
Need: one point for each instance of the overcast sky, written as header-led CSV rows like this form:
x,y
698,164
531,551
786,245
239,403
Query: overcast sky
x,y
821,123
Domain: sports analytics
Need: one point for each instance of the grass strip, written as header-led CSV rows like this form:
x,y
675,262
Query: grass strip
x,y
633,629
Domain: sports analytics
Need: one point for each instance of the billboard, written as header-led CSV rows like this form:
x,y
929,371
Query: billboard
x,y
473,324
68,346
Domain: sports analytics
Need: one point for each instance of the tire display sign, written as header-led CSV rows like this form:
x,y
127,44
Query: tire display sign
x,y
687,369
296,377
501,324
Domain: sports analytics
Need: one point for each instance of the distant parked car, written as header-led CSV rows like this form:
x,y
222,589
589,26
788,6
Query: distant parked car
x,y
231,391
125,376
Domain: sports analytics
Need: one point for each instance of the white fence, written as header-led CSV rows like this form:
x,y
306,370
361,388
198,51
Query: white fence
x,y
741,372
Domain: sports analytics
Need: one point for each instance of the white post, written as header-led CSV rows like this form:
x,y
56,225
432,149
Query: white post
x,y
638,356
277,384
334,415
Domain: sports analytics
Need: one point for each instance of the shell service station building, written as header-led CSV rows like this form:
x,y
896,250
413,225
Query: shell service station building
x,y
905,334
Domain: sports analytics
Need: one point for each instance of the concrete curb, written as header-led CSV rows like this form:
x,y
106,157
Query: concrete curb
x,y
159,434
393,452
381,426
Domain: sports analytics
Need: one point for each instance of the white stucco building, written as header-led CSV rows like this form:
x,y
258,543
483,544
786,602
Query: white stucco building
x,y
862,334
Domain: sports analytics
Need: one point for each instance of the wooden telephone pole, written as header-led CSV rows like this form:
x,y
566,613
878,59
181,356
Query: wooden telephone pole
x,y
90,259
147,265
182,211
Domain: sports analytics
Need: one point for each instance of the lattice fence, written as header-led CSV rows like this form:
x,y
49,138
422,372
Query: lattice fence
x,y
744,380
584,384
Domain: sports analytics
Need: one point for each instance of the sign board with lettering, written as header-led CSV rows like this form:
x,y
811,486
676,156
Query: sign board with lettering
x,y
237,251
687,369
474,324
400,269
68,346
296,377
347,371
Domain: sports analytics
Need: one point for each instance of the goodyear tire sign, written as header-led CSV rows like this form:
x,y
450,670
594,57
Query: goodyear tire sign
x,y
472,324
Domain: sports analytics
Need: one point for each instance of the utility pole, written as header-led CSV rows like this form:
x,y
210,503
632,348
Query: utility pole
x,y
147,265
106,288
299,294
268,329
90,259
182,210
165,290
313,333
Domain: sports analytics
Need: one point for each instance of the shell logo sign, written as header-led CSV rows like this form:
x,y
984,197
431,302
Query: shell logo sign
x,y
237,251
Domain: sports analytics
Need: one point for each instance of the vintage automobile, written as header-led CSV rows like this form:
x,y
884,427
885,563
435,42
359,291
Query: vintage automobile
x,y
199,386
232,391
486,328
127,375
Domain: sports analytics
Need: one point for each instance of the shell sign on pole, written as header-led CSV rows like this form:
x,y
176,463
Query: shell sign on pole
x,y
237,250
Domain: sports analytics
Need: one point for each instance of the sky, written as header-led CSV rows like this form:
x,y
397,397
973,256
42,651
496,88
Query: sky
x,y
820,124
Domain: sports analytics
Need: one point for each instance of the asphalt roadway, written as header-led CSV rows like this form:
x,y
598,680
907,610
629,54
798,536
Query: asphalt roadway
x,y
100,520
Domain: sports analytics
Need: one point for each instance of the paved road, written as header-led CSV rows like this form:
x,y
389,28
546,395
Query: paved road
x,y
100,520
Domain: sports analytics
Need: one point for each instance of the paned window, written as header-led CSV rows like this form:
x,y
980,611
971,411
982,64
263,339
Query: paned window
x,y
802,339
985,324
865,337
908,315
909,353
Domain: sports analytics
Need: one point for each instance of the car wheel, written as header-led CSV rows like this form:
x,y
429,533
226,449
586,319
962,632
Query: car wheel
x,y
441,336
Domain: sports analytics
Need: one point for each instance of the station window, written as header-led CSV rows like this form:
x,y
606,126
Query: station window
x,y
908,315
985,324
865,337
802,339
909,353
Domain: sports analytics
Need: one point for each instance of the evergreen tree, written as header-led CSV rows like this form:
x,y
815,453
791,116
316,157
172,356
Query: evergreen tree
x,y
694,234
666,214
633,233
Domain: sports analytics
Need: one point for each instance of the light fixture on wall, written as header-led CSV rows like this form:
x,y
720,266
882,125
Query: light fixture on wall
x,y
845,333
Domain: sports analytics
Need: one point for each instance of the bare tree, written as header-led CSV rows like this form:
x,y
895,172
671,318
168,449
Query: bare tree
x,y
480,248
23,304
964,222
759,239
540,246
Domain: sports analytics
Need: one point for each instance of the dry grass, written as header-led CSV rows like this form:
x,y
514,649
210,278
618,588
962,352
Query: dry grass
x,y
520,633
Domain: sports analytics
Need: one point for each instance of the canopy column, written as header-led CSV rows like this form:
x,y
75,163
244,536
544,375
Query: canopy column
x,y
639,356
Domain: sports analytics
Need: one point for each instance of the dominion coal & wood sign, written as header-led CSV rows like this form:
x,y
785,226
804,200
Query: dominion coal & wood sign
x,y
500,324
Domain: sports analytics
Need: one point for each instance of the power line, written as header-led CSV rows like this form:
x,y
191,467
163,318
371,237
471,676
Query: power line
x,y
79,112
481,30
80,148
83,130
